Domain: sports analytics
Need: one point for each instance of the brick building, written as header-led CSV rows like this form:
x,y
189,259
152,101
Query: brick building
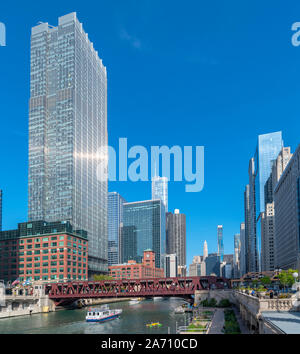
x,y
45,251
134,270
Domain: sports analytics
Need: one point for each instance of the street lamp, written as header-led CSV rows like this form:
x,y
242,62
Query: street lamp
x,y
295,275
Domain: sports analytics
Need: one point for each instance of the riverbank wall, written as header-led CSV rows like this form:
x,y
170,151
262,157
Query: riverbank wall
x,y
25,305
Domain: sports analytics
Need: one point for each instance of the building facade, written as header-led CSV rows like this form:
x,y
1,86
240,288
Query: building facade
x,y
267,217
160,190
68,133
242,249
171,266
268,238
220,242
236,255
115,219
134,270
268,148
197,267
44,251
205,250
176,236
279,165
212,265
287,217
144,227
252,249
247,225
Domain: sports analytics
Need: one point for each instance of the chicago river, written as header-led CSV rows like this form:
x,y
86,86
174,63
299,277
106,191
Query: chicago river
x,y
133,320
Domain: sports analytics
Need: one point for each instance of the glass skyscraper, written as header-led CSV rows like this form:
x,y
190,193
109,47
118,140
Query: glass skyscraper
x,y
144,227
115,218
68,133
160,190
268,148
220,242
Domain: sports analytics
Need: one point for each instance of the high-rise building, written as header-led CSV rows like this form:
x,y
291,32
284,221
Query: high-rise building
x,y
212,265
68,133
1,196
267,217
268,148
247,227
171,266
205,250
280,164
176,236
115,218
197,268
236,256
144,227
252,249
287,215
160,190
267,223
242,250
226,270
220,242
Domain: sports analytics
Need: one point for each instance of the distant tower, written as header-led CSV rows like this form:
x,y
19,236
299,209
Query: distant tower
x,y
220,242
205,250
115,218
176,236
160,190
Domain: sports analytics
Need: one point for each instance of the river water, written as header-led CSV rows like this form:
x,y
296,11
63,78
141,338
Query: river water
x,y
133,320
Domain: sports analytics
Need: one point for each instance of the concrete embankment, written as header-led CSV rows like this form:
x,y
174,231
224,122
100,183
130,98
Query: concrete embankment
x,y
25,305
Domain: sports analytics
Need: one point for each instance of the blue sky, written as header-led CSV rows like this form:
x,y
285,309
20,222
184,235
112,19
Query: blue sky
x,y
179,73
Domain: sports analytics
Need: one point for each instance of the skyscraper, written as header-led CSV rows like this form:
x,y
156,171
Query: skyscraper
x,y
68,133
252,250
171,266
197,268
236,255
268,148
212,265
115,218
247,226
176,236
220,242
267,217
160,190
287,215
144,227
242,256
267,221
205,250
279,165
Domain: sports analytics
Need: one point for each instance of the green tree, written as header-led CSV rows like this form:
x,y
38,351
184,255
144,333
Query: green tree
x,y
286,277
266,281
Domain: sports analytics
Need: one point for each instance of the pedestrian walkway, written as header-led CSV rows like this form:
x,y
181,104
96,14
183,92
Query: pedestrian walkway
x,y
244,329
217,322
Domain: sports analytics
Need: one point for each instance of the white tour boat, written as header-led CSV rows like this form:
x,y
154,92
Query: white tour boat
x,y
102,314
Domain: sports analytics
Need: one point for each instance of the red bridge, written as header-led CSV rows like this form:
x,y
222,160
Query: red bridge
x,y
67,292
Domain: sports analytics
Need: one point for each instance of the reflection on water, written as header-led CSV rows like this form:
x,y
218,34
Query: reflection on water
x,y
133,320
